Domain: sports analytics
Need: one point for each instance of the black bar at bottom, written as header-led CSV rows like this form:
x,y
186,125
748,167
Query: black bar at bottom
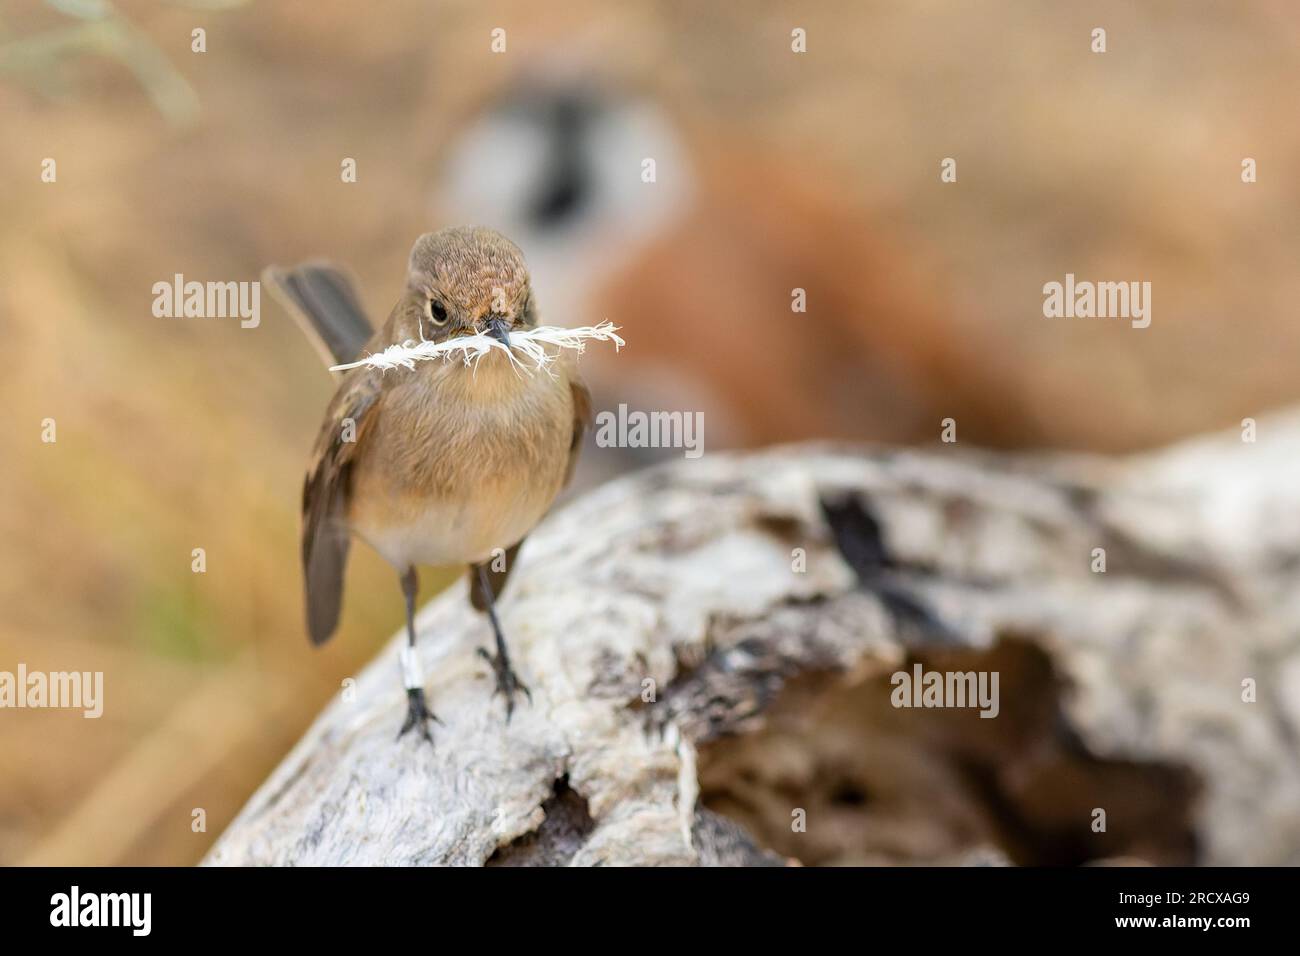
x,y
334,906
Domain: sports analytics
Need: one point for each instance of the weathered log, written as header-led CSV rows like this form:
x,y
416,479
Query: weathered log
x,y
710,647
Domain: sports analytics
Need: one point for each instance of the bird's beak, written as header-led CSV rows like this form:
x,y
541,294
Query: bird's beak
x,y
499,329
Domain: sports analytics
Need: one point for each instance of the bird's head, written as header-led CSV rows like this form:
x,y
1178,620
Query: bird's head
x,y
466,280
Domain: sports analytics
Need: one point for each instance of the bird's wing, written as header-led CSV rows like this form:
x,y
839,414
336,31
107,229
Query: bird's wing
x,y
325,495
324,302
581,421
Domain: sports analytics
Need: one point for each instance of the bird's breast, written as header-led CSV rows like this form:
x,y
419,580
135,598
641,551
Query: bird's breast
x,y
461,460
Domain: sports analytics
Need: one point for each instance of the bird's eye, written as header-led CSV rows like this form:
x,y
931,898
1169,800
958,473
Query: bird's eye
x,y
437,312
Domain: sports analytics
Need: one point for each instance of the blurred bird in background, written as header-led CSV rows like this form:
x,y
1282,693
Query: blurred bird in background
x,y
749,291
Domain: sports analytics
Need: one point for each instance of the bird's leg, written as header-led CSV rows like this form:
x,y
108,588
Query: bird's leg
x,y
418,713
507,680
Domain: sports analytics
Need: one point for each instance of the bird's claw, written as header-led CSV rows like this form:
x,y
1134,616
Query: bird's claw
x,y
507,680
418,714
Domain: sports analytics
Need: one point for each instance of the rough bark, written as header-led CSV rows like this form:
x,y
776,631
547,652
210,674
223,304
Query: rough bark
x,y
710,644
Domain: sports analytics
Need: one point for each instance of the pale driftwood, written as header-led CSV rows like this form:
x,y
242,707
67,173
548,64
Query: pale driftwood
x,y
1120,690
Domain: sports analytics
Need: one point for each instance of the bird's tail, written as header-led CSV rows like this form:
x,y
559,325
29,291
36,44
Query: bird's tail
x,y
324,302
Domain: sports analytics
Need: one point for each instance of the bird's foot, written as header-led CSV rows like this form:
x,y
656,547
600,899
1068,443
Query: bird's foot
x,y
507,680
418,714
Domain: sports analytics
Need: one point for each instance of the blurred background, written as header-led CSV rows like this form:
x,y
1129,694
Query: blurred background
x,y
775,171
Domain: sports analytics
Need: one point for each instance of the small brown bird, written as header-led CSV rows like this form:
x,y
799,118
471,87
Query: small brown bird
x,y
443,463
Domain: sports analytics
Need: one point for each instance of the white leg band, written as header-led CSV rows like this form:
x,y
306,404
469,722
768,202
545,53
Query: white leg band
x,y
412,675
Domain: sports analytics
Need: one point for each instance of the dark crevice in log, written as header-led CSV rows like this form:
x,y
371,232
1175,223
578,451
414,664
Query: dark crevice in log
x,y
561,834
880,784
